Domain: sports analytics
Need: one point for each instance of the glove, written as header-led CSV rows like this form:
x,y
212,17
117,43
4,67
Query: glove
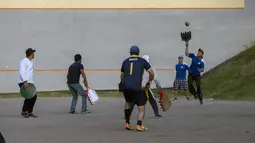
x,y
186,36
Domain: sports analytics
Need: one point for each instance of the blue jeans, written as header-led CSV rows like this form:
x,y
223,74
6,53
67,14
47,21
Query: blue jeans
x,y
75,90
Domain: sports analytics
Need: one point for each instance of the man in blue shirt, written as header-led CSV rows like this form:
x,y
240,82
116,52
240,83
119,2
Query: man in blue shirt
x,y
180,82
196,68
131,77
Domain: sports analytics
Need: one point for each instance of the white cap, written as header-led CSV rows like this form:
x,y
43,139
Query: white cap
x,y
147,58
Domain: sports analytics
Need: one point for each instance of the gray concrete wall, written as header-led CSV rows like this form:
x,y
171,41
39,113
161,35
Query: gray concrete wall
x,y
104,38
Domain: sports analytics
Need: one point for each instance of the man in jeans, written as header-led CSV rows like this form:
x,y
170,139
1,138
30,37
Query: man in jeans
x,y
196,68
73,81
26,73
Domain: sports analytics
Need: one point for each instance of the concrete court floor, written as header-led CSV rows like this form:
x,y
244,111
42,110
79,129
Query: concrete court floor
x,y
185,122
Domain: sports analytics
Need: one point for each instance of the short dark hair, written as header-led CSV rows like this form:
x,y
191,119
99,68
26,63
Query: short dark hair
x,y
77,57
29,52
200,50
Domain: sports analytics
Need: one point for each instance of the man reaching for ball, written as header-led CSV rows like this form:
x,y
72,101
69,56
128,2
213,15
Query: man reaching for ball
x,y
196,68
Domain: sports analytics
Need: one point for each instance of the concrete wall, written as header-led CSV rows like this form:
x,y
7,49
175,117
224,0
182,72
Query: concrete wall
x,y
104,39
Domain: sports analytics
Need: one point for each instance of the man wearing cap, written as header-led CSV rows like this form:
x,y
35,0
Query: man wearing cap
x,y
196,68
26,72
73,82
180,82
131,77
148,91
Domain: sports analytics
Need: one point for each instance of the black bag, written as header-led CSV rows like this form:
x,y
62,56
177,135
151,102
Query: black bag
x,y
2,140
121,87
186,36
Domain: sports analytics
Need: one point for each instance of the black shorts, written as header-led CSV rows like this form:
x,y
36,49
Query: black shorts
x,y
135,97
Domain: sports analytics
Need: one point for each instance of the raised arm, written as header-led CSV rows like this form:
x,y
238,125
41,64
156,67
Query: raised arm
x,y
190,55
187,50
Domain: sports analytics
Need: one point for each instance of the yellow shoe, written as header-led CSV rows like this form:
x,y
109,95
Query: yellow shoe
x,y
128,127
141,128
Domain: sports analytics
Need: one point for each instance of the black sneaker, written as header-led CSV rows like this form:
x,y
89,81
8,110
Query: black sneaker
x,y
85,112
32,115
24,114
158,116
201,102
72,112
187,98
175,98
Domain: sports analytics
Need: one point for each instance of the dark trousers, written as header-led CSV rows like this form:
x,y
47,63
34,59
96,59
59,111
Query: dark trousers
x,y
152,101
197,79
28,105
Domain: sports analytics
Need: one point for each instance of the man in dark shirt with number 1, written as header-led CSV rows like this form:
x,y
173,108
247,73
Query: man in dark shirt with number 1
x,y
131,76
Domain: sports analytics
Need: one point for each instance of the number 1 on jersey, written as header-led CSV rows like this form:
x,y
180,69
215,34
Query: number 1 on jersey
x,y
131,69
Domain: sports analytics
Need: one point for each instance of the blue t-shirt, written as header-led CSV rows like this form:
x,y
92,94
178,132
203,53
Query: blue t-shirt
x,y
133,68
181,71
195,64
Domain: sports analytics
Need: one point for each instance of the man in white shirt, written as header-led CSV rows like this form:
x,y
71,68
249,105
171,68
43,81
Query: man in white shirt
x,y
149,93
26,71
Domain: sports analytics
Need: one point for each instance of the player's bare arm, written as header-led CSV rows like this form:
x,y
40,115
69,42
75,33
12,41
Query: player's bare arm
x,y
151,75
187,50
85,81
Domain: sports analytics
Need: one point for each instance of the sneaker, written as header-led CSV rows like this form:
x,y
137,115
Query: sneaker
x,y
175,98
141,128
158,116
32,115
128,126
187,98
72,112
24,114
85,112
201,102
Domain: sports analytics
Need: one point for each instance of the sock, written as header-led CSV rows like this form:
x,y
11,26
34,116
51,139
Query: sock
x,y
127,115
139,122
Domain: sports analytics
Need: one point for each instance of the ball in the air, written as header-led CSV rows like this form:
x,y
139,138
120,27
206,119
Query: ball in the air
x,y
186,23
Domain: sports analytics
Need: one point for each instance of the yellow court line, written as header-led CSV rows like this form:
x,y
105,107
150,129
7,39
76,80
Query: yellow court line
x,y
86,70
